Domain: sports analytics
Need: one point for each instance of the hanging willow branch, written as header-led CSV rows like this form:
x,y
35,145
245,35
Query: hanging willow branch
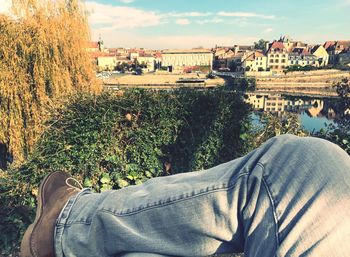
x,y
42,60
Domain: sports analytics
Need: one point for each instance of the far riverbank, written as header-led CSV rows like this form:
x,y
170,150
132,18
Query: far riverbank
x,y
163,81
318,82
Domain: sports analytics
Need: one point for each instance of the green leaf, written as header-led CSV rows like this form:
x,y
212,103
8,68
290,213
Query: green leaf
x,y
138,182
130,177
106,187
87,182
122,183
148,174
105,179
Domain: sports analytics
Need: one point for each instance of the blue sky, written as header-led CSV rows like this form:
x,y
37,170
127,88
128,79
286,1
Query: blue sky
x,y
160,24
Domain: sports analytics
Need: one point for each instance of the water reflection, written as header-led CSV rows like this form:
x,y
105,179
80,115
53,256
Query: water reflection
x,y
315,112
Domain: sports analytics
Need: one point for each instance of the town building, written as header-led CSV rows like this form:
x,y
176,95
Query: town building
x,y
181,60
301,57
147,61
335,48
344,57
290,44
106,62
321,54
255,61
231,58
277,56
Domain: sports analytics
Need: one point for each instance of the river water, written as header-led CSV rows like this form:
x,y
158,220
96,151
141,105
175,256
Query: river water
x,y
315,112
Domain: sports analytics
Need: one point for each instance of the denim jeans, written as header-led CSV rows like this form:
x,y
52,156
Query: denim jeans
x,y
290,197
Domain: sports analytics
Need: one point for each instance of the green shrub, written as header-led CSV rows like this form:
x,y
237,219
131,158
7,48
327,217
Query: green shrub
x,y
241,85
109,142
340,132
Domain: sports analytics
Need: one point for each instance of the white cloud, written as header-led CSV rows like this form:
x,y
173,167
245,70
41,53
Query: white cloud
x,y
5,6
187,14
120,17
213,20
268,30
183,22
220,14
246,15
115,24
126,17
126,1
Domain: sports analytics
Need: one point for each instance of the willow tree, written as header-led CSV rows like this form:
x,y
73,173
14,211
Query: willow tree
x,y
43,59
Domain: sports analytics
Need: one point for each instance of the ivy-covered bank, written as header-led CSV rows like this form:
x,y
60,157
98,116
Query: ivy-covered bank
x,y
112,141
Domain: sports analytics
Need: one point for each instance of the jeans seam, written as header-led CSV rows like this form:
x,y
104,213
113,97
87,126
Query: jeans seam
x,y
273,208
142,209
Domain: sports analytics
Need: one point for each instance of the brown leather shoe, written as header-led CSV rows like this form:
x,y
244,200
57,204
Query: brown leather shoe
x,y
54,192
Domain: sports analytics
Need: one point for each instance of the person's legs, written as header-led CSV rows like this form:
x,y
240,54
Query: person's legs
x,y
291,197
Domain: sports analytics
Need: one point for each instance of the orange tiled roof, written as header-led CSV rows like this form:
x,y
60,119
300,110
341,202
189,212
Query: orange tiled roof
x,y
93,44
276,45
254,55
342,45
329,44
158,55
101,54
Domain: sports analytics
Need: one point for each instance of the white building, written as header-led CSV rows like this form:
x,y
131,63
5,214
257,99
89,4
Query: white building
x,y
256,61
148,61
181,59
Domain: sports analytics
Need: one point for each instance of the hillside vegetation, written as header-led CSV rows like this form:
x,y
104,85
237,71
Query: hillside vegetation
x,y
113,141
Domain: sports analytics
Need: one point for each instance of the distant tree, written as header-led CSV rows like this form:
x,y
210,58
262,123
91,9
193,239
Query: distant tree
x,y
260,45
340,133
216,64
233,65
143,65
343,90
